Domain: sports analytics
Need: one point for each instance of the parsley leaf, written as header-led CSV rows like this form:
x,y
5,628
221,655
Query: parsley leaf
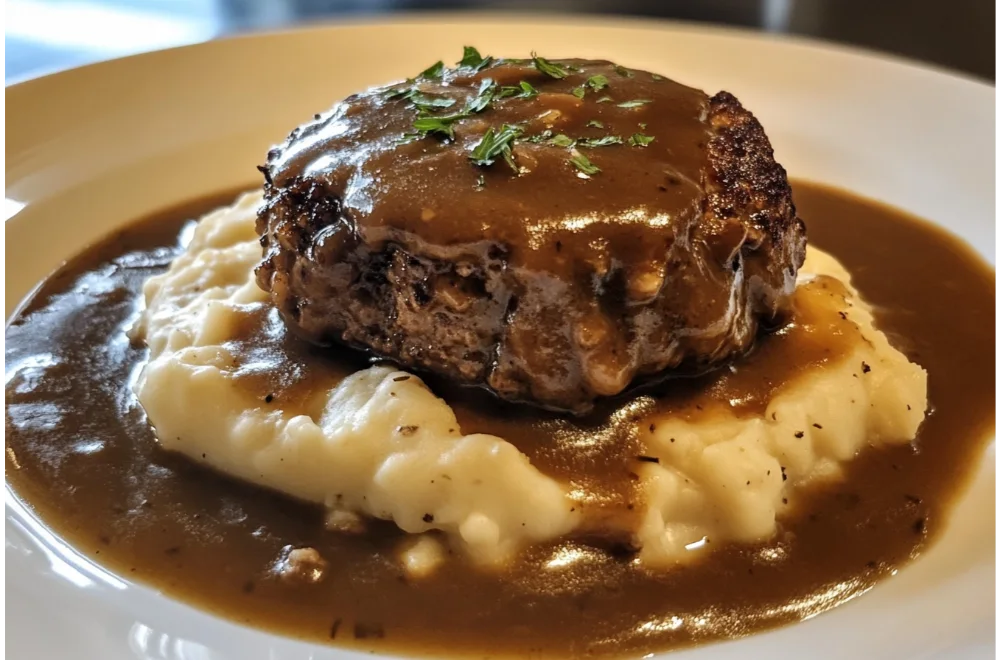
x,y
487,89
640,140
522,91
541,137
605,99
595,123
435,70
622,71
527,91
404,90
410,137
562,141
584,165
430,124
472,59
579,92
605,141
597,83
548,68
656,77
634,103
427,103
496,144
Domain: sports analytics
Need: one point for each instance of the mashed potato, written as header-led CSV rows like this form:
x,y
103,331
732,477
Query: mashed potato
x,y
383,445
729,478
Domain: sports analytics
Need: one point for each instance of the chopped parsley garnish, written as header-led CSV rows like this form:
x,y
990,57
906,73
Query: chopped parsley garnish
x,y
499,143
403,90
635,103
473,60
584,165
430,124
426,123
523,91
435,70
541,137
642,125
427,103
548,68
527,90
640,140
656,77
487,88
597,83
496,144
605,141
562,141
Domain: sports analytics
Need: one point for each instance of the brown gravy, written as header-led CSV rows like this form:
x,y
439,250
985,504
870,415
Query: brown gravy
x,y
80,452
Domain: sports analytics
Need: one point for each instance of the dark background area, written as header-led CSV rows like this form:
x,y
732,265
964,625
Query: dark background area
x,y
44,35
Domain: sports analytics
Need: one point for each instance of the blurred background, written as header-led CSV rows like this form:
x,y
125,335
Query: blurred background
x,y
46,35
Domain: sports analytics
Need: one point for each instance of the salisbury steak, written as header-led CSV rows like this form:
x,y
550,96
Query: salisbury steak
x,y
549,230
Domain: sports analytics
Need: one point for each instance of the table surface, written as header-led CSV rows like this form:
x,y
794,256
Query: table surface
x,y
46,35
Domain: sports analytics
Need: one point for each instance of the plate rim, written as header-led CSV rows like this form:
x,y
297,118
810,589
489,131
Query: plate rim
x,y
590,22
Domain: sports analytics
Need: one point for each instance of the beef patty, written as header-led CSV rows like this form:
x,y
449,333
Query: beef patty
x,y
552,231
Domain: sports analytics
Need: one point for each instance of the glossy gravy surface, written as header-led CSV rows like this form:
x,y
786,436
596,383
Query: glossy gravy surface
x,y
80,452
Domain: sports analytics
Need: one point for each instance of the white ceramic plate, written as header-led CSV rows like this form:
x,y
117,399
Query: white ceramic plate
x,y
92,148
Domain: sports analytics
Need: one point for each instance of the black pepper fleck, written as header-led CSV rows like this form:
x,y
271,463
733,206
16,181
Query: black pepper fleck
x,y
366,630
